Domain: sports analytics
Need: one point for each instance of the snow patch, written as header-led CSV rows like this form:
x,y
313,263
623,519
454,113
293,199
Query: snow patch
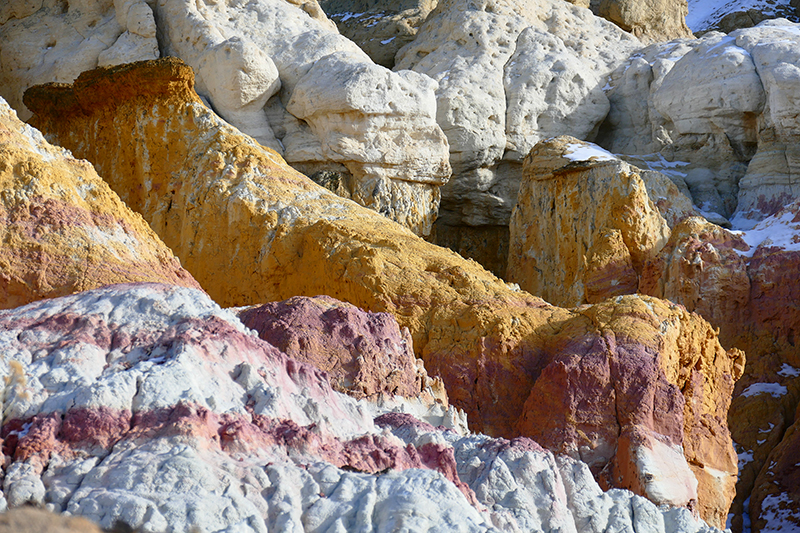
x,y
788,371
587,152
775,390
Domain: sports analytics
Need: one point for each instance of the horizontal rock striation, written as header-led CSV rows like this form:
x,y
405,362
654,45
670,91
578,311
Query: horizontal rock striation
x,y
253,230
148,405
62,228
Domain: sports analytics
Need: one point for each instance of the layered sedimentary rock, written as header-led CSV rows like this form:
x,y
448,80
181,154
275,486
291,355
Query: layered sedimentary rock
x,y
605,216
380,28
328,106
63,229
252,230
509,73
650,21
193,422
365,354
48,40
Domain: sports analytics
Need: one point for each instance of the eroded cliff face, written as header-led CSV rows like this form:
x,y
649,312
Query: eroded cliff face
x,y
253,230
63,229
589,226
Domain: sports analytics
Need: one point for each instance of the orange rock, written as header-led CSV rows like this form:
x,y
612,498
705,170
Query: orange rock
x,y
63,229
253,230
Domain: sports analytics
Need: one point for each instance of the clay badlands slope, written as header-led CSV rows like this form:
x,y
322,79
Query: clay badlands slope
x,y
149,404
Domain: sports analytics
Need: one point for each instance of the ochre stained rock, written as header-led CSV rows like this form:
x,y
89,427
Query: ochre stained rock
x,y
365,354
63,229
633,386
253,230
586,223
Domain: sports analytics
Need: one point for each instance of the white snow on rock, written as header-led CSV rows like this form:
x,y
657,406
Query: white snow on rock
x,y
776,390
703,14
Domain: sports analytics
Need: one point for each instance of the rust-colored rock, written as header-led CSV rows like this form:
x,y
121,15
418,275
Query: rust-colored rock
x,y
586,223
365,354
622,392
63,229
252,230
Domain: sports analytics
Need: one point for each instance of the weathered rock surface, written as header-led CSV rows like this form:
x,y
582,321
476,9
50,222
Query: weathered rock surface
x,y
365,354
48,40
586,223
190,421
63,229
262,232
734,137
509,73
742,282
379,27
328,106
650,21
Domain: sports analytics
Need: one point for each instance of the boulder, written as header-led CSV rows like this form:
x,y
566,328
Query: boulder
x,y
509,73
586,223
365,354
192,422
650,21
380,28
299,87
50,41
63,229
253,230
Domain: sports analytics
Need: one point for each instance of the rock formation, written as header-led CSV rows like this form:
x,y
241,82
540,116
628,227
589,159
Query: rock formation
x,y
733,137
589,226
290,81
192,422
509,73
615,218
53,41
252,230
365,354
63,229
650,21
379,28
328,106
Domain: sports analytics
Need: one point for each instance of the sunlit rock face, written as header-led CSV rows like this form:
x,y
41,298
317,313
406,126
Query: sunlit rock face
x,y
150,406
489,342
63,229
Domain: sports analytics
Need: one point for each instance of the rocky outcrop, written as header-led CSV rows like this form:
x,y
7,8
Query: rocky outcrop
x,y
193,422
509,73
733,138
380,28
329,108
63,229
365,354
262,232
51,41
586,223
650,21
740,281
